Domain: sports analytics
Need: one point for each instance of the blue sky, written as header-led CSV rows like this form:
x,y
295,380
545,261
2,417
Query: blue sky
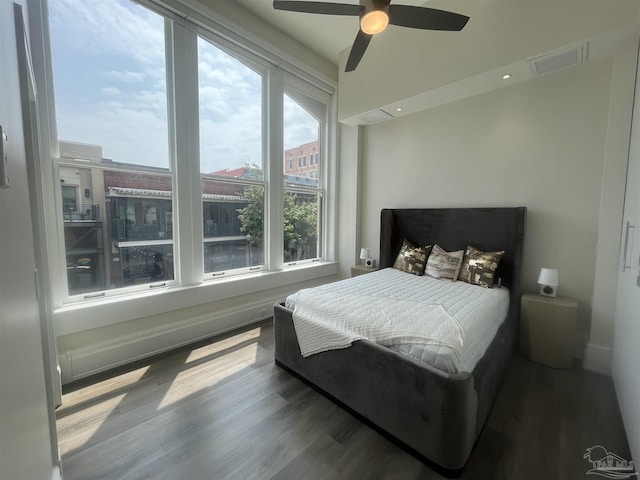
x,y
110,84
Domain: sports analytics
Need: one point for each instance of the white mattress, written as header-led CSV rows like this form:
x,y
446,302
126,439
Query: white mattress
x,y
479,311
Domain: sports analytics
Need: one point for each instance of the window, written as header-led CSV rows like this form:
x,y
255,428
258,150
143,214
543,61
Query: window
x,y
140,232
69,198
135,188
233,215
110,80
111,113
303,120
230,98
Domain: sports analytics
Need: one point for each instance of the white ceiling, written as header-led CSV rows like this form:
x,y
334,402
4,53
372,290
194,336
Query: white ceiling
x,y
327,35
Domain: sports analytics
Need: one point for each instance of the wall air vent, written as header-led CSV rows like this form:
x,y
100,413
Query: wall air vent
x,y
558,60
374,116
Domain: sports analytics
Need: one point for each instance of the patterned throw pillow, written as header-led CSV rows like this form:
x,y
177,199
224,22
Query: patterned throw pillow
x,y
412,259
445,265
478,267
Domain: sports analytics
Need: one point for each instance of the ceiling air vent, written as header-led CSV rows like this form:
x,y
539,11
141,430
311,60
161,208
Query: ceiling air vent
x,y
374,116
558,60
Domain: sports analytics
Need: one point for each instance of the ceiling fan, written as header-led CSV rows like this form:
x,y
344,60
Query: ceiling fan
x,y
375,15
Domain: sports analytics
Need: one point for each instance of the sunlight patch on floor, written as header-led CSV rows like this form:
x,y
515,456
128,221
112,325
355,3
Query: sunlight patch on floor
x,y
222,345
96,415
76,399
97,406
219,369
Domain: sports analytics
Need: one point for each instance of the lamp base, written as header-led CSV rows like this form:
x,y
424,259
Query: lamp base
x,y
548,290
370,262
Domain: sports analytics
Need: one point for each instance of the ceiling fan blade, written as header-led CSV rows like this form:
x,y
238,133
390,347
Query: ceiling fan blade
x,y
317,7
426,18
360,45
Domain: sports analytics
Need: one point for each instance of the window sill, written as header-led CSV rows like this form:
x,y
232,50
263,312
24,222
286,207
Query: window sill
x,y
88,315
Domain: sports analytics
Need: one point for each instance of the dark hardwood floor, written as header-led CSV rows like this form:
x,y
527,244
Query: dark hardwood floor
x,y
222,410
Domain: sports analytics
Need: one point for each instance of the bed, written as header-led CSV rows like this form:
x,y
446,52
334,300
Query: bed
x,y
437,415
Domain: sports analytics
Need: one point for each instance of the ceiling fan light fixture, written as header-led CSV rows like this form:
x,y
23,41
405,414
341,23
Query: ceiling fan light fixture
x,y
375,16
373,22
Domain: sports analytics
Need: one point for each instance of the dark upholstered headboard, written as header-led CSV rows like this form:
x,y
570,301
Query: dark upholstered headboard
x,y
488,229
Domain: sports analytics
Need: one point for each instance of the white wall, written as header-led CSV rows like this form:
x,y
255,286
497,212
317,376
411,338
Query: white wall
x,y
84,352
349,159
539,144
25,441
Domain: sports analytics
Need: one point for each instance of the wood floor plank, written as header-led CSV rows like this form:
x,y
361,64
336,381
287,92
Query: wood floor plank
x,y
249,386
221,409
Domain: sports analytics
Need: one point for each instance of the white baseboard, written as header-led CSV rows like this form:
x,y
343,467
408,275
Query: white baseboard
x,y
597,359
55,473
96,358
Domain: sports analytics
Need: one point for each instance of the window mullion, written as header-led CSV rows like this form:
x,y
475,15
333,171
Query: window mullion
x,y
275,206
329,180
182,85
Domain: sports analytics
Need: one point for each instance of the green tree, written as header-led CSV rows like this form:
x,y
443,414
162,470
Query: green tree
x,y
300,227
252,215
300,222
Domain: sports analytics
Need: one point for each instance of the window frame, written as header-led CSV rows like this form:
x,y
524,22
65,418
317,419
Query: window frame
x,y
188,287
116,292
65,197
320,105
217,274
266,72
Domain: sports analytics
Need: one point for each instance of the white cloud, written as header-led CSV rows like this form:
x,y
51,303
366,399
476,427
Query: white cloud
x,y
127,77
114,27
146,144
110,84
111,91
110,78
299,126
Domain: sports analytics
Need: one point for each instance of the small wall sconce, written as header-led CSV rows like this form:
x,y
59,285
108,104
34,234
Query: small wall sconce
x,y
365,256
548,280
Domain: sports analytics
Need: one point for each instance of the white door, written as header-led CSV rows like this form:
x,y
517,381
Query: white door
x,y
626,349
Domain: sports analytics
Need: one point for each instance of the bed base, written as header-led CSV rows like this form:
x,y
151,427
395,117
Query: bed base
x,y
437,415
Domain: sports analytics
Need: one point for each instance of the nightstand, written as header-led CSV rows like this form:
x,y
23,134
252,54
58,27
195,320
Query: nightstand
x,y
361,270
548,329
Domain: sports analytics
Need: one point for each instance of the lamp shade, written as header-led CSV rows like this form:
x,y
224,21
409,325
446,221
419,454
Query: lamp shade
x,y
548,276
548,280
365,253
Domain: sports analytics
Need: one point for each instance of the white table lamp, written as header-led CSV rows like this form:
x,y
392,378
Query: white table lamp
x,y
548,280
365,256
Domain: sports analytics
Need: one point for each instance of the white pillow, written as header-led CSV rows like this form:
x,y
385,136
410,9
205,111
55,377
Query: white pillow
x,y
444,265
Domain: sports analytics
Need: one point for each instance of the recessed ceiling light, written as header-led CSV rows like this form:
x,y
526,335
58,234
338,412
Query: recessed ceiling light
x,y
399,109
506,76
